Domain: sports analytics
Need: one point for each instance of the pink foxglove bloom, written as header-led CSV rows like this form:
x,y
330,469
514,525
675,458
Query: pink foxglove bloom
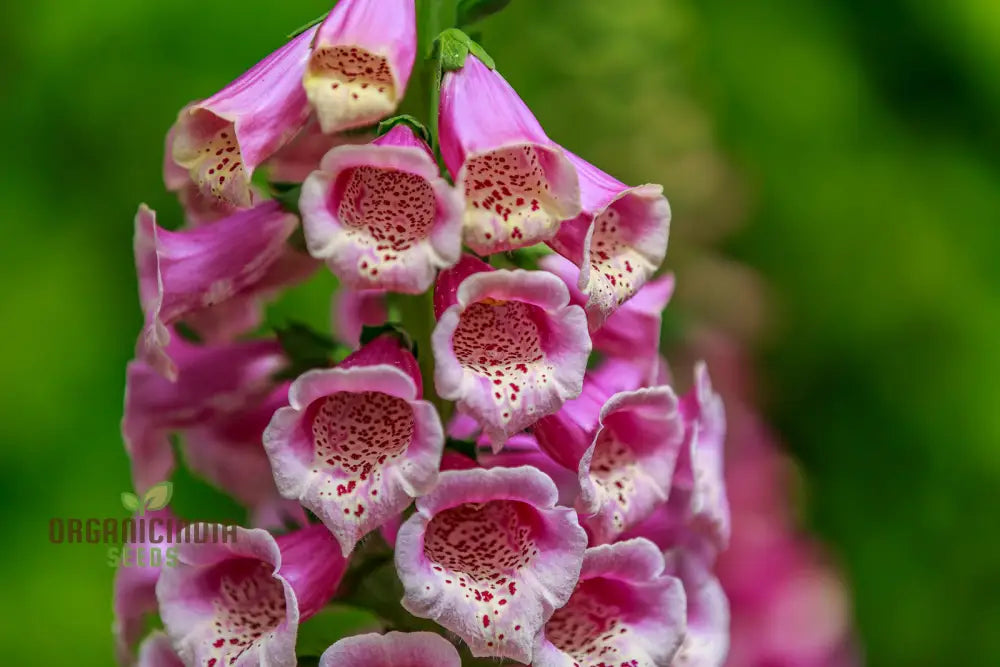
x,y
185,274
706,643
135,589
156,651
625,473
381,215
624,611
213,381
394,649
490,557
511,349
518,185
220,140
356,443
618,242
238,600
361,62
352,310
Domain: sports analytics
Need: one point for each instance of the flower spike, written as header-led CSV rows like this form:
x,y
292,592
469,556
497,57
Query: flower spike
x,y
518,184
510,350
394,649
490,557
381,215
356,443
624,611
219,141
238,599
361,61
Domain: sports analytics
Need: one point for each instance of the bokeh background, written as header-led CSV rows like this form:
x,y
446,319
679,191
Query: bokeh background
x,y
834,170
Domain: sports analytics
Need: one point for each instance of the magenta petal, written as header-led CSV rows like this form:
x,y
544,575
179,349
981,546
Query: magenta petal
x,y
625,473
301,156
511,350
184,273
518,185
361,62
448,281
156,651
624,611
351,311
219,141
354,446
394,649
707,641
490,557
381,216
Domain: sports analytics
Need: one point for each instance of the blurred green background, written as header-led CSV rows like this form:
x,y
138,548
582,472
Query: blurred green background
x,y
847,151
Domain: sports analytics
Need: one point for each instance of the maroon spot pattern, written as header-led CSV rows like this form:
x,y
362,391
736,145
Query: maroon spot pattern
x,y
219,164
249,607
500,340
388,211
478,549
615,267
614,470
356,434
591,632
508,199
349,64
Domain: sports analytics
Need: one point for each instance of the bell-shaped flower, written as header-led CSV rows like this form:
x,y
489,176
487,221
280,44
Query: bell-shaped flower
x,y
356,443
618,241
213,381
238,599
518,184
156,651
624,611
489,556
219,141
626,472
706,643
361,62
381,215
186,274
134,594
394,649
510,350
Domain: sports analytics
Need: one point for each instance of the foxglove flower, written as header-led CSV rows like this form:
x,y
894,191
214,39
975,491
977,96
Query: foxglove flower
x,y
490,557
156,651
707,640
518,185
381,215
240,601
184,274
135,591
361,62
220,140
624,611
625,473
394,649
212,381
511,349
618,242
357,443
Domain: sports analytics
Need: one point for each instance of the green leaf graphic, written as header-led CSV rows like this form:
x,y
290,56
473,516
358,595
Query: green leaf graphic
x,y
158,496
130,501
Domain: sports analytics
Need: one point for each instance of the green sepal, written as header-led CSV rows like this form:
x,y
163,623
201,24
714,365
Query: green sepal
x,y
405,119
306,26
286,194
305,349
470,11
368,334
452,48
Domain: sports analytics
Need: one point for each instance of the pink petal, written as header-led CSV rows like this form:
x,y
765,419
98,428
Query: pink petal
x,y
301,156
490,557
352,311
156,651
707,641
361,62
394,649
624,611
518,184
511,351
219,141
381,215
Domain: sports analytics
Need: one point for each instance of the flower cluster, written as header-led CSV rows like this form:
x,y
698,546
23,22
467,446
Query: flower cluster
x,y
503,419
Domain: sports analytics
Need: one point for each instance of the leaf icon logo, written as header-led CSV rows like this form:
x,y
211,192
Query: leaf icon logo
x,y
156,498
130,501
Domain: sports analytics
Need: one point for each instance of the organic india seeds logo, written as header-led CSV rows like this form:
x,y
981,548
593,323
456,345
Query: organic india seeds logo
x,y
148,538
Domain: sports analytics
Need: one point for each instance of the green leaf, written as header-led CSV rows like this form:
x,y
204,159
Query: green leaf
x,y
454,46
333,623
286,194
130,501
158,496
405,119
470,11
